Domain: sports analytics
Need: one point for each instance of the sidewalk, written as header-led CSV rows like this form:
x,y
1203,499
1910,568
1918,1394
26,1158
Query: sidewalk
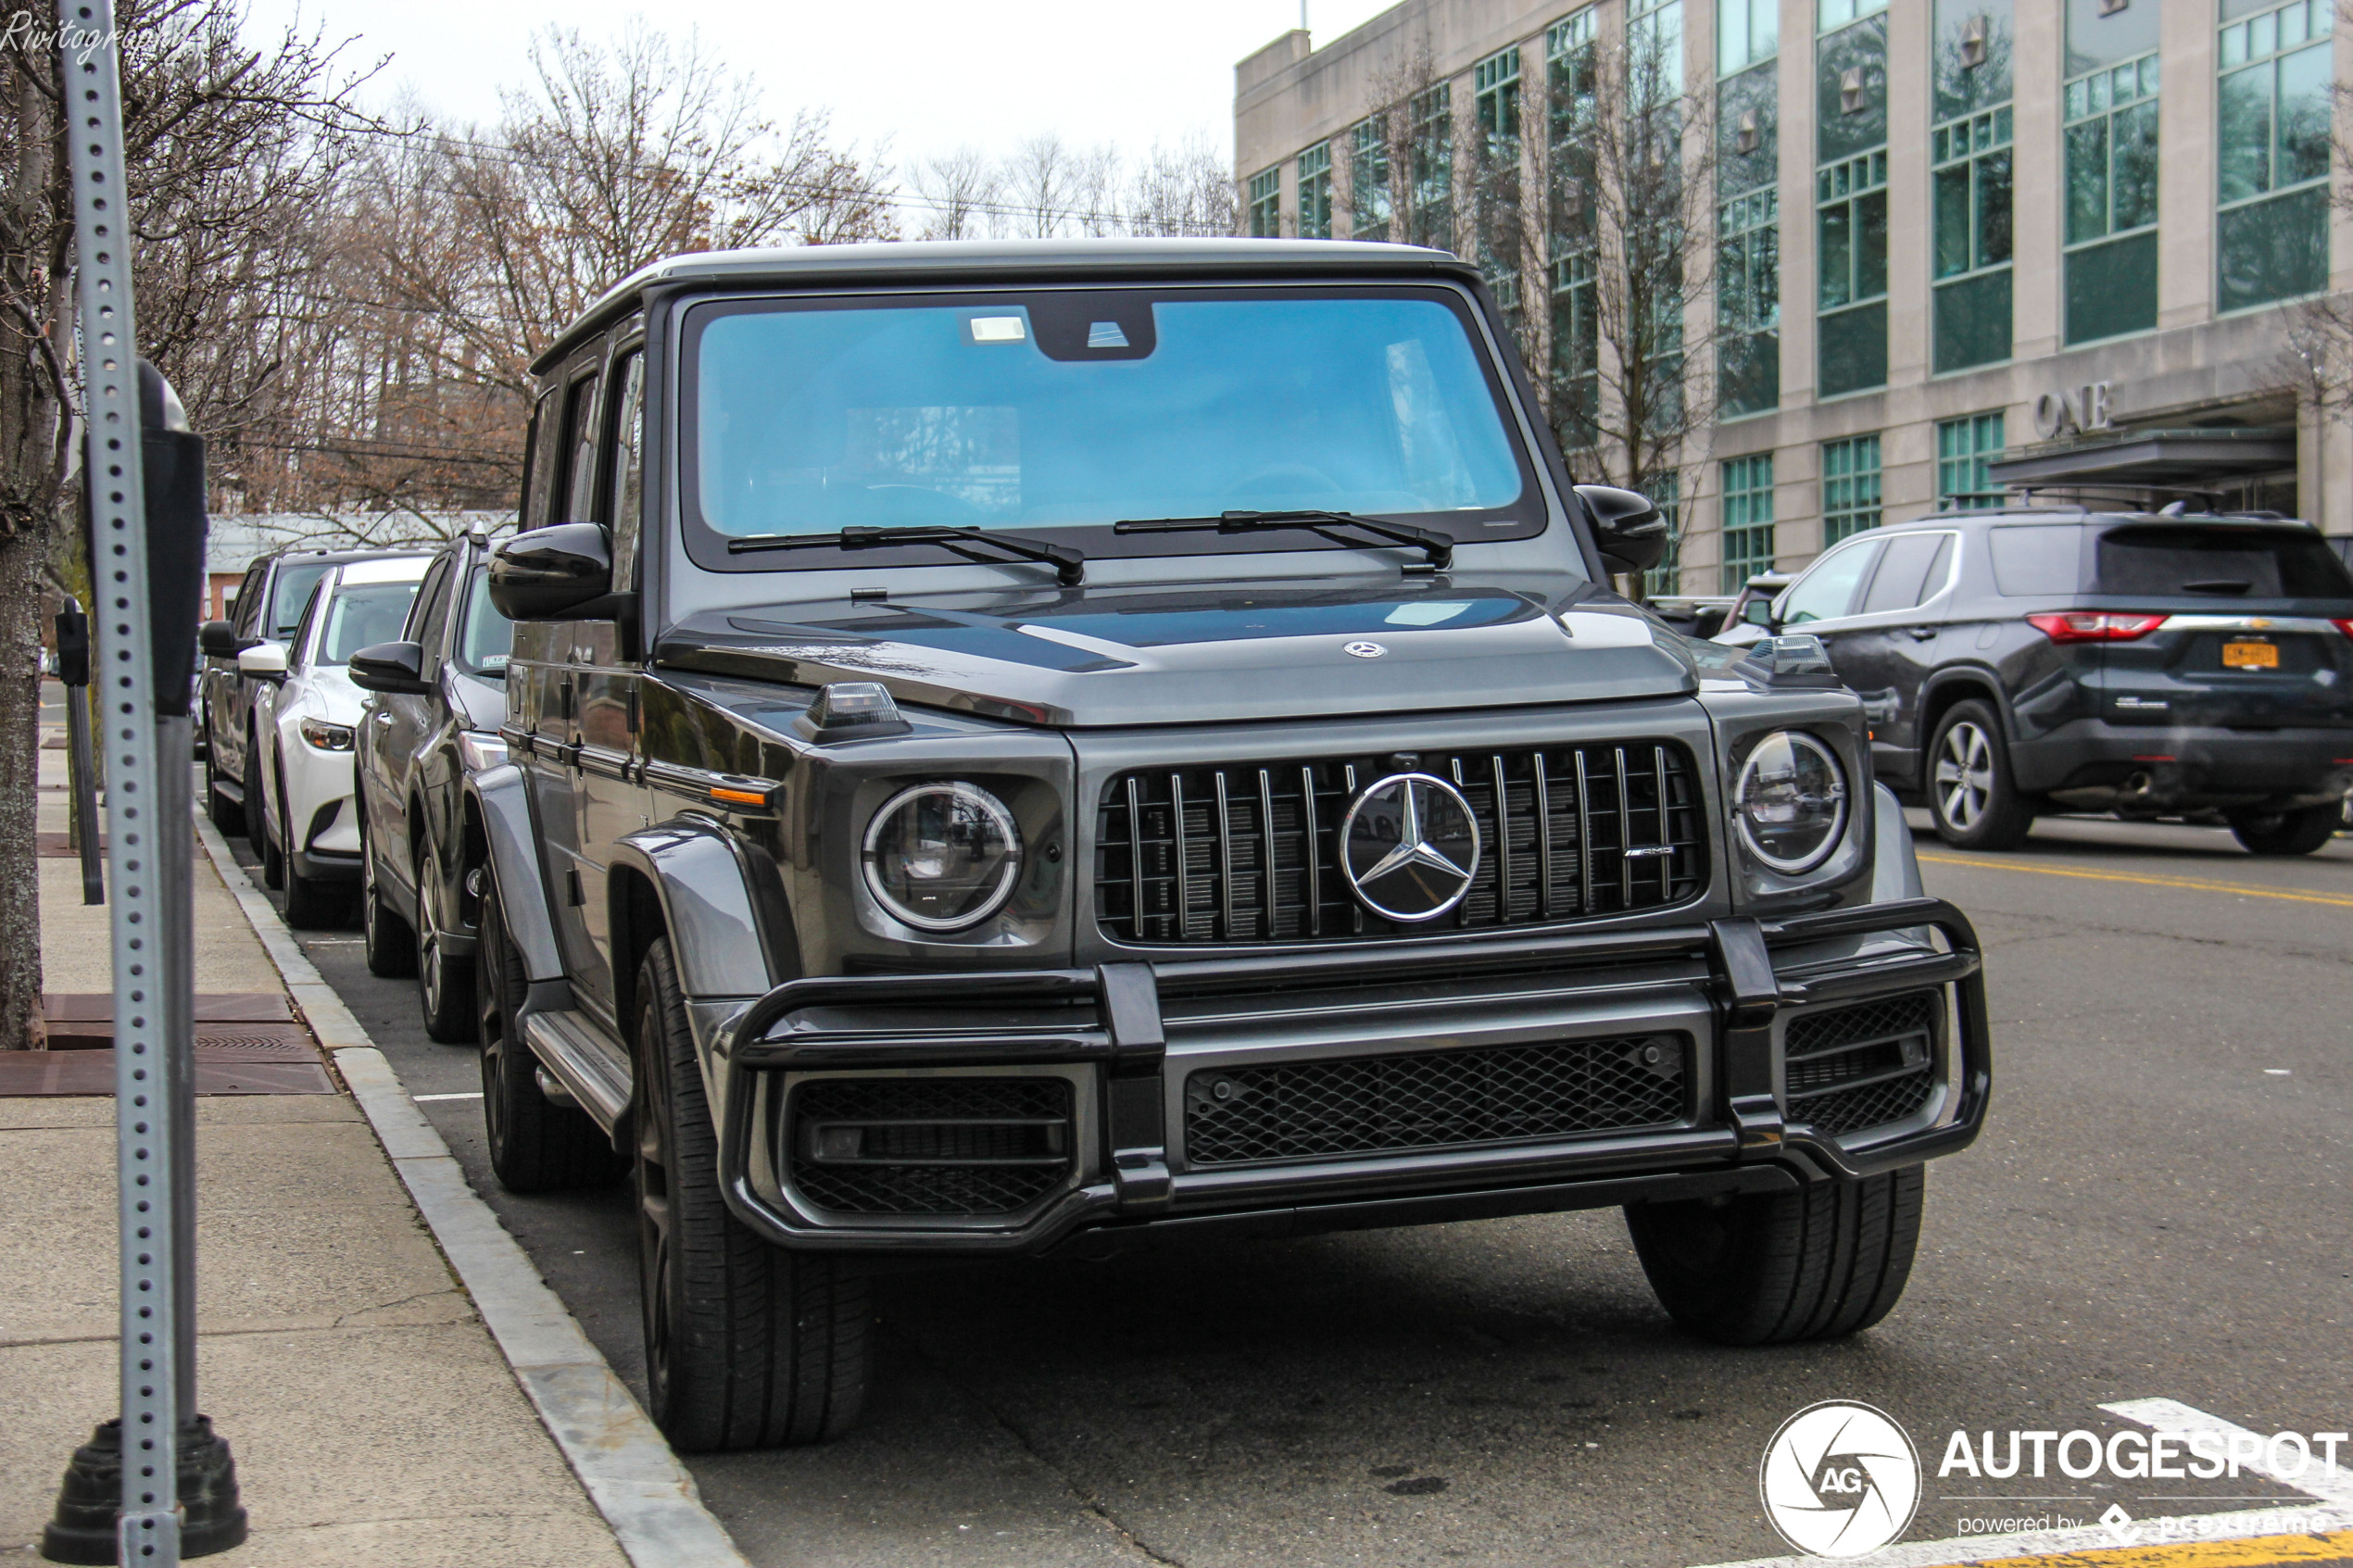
x,y
372,1417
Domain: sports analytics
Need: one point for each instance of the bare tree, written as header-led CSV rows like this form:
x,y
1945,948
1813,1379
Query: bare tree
x,y
959,188
229,148
1039,180
1182,189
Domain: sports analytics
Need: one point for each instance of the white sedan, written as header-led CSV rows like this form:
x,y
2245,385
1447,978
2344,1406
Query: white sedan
x,y
307,711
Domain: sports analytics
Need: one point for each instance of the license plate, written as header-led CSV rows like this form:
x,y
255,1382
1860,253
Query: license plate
x,y
2250,655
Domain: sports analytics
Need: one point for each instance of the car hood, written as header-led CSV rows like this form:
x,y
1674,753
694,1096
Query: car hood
x,y
1233,652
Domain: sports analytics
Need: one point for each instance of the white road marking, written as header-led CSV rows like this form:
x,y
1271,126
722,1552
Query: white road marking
x,y
422,1100
2329,1483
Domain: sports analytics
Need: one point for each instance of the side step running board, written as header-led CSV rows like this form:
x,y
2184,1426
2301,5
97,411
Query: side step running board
x,y
584,1060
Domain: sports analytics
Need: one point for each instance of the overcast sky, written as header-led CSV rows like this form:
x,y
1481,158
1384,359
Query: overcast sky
x,y
925,75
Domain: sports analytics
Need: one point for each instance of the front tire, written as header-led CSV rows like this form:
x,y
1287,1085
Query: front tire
x,y
1972,795
1778,1268
2300,832
747,1346
273,871
535,1145
444,982
391,947
226,814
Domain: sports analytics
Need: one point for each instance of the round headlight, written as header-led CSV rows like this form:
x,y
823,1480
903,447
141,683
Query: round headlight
x,y
942,856
1790,802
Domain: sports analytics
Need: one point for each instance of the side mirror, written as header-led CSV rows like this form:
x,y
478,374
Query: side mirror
x,y
1631,533
395,668
1760,613
219,640
562,572
265,662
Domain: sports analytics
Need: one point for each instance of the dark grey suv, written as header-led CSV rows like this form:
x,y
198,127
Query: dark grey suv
x,y
2153,665
1033,747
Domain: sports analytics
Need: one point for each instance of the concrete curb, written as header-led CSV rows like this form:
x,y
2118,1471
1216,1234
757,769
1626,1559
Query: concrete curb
x,y
620,1456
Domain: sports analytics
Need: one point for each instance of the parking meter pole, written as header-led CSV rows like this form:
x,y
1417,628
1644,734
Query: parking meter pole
x,y
155,1485
81,772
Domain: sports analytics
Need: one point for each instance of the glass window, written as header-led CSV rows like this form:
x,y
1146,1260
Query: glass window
x,y
1850,487
1972,185
1748,519
429,613
1267,203
627,436
2112,151
1666,493
2224,562
1576,349
1850,91
289,597
1430,175
1495,102
2037,558
575,499
1084,406
1826,591
1910,572
1963,448
1973,63
1748,283
1654,31
2097,36
485,637
1850,195
1829,14
1746,32
1371,204
1747,130
1316,193
2272,125
363,615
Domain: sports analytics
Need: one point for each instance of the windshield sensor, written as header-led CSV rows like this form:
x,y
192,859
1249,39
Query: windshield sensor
x,y
1069,561
1438,548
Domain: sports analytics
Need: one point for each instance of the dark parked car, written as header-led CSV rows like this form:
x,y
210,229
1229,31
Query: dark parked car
x,y
1034,748
438,695
271,599
2152,665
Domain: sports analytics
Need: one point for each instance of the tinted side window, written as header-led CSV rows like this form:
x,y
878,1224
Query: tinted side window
x,y
541,462
1910,571
429,612
2037,558
2224,562
249,598
1828,591
287,600
575,495
626,438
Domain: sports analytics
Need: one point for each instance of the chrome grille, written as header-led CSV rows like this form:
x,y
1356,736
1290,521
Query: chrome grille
x,y
1250,852
1431,1099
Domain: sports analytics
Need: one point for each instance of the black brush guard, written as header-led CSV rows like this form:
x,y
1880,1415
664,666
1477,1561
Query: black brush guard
x,y
1109,1017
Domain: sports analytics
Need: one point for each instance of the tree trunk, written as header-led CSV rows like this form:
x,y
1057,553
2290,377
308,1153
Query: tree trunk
x,y
20,1022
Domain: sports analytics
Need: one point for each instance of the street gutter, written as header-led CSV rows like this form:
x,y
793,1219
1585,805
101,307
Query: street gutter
x,y
622,1459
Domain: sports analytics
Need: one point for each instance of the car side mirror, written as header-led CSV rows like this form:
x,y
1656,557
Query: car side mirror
x,y
218,639
1760,613
264,660
1631,533
563,573
398,669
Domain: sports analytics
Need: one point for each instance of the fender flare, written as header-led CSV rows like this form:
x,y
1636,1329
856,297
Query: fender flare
x,y
728,930
1983,682
501,797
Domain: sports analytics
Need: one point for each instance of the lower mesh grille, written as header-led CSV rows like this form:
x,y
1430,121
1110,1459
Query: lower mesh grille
x,y
1432,1099
929,1146
1845,1069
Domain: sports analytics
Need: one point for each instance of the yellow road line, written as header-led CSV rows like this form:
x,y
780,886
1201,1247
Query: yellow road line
x,y
2260,1551
1983,862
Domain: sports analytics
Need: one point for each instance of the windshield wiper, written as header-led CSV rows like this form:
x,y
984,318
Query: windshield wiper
x,y
1438,548
1069,564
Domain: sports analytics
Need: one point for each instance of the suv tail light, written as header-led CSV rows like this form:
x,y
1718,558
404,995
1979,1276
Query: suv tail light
x,y
2345,627
2092,626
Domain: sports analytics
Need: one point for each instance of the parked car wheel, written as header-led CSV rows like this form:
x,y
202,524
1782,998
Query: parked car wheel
x,y
747,1346
1971,798
226,814
535,1145
257,817
391,945
1778,1268
445,982
2300,832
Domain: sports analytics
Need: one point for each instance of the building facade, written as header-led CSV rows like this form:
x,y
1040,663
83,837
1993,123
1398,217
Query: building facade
x,y
1958,245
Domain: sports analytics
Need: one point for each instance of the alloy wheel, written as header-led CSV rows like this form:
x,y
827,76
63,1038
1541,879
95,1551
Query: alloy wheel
x,y
429,980
1964,774
655,1262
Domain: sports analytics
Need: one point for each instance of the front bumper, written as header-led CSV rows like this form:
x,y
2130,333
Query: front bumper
x,y
1128,1036
2093,762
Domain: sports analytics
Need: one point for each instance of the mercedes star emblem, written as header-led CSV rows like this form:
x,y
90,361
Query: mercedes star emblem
x,y
1365,650
1409,847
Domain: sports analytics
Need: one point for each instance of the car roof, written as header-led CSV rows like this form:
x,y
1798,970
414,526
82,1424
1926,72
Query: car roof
x,y
385,569
333,558
1004,261
2085,515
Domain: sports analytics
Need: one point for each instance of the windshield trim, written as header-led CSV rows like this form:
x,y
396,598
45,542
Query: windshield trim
x,y
1532,513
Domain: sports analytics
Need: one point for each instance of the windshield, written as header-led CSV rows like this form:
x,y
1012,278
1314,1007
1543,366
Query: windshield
x,y
362,614
293,592
485,637
1062,413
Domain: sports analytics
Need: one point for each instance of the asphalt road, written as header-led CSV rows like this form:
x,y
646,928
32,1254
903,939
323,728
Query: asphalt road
x,y
2157,1209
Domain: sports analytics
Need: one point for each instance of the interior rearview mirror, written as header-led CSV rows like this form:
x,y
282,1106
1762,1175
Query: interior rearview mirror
x,y
563,573
1631,533
395,668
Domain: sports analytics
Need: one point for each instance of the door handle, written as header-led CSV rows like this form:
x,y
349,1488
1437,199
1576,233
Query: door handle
x,y
1922,634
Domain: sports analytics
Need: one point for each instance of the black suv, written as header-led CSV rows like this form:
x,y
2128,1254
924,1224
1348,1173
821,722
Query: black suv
x,y
439,698
2149,664
1030,747
270,601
